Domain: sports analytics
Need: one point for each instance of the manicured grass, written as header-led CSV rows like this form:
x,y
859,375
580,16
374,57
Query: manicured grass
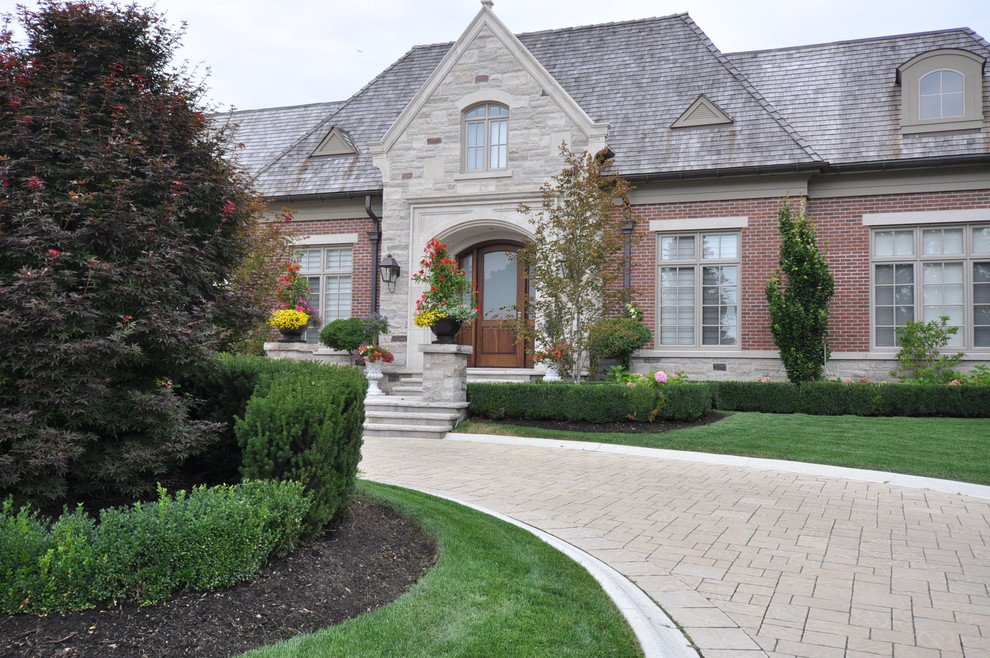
x,y
495,591
950,448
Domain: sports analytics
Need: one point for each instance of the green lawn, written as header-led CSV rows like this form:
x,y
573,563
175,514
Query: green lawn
x,y
950,448
496,590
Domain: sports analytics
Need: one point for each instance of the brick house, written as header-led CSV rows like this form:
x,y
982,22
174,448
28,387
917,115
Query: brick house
x,y
886,140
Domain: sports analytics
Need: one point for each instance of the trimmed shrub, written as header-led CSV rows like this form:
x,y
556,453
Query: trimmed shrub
x,y
346,334
306,426
617,338
206,539
836,398
603,403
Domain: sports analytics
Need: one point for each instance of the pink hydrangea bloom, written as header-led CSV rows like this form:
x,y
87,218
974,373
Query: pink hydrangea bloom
x,y
661,377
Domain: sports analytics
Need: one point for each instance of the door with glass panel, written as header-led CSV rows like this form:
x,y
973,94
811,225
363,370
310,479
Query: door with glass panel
x,y
500,293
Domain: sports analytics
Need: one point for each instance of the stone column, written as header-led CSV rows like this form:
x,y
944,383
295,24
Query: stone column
x,y
445,372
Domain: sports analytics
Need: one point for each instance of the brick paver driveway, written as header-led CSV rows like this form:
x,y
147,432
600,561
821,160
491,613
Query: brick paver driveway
x,y
749,562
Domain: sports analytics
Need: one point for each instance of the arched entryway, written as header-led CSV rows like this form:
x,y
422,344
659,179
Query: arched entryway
x,y
501,290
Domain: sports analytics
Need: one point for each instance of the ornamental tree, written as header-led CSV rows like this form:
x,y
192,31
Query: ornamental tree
x,y
121,224
574,260
798,295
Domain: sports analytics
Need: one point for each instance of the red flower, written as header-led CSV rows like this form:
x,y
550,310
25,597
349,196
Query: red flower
x,y
54,253
35,183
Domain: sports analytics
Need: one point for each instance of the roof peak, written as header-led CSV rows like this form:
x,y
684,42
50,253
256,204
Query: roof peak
x,y
846,42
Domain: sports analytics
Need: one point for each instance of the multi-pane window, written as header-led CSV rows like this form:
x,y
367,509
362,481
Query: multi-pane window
x,y
329,272
922,274
699,290
941,95
486,137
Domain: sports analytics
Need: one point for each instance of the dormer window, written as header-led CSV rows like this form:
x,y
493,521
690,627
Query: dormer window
x,y
941,90
486,137
941,95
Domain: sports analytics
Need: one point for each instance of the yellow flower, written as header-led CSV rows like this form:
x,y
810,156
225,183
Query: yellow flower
x,y
288,319
427,318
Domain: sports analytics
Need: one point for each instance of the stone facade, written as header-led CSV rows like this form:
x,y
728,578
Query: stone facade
x,y
428,194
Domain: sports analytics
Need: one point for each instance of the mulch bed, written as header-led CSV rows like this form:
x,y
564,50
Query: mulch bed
x,y
367,559
629,427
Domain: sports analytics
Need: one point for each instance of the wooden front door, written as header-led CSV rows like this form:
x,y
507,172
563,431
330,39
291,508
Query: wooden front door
x,y
500,291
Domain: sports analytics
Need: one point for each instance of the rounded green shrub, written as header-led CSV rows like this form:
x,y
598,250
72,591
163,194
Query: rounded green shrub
x,y
617,338
346,334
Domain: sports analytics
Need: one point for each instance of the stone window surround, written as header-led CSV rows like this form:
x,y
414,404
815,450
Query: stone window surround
x,y
697,226
966,219
909,76
468,102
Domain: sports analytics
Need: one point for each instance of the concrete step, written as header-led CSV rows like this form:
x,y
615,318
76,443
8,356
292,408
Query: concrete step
x,y
503,374
411,418
407,389
390,431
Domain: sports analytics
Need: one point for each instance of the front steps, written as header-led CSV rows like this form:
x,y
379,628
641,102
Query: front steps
x,y
394,416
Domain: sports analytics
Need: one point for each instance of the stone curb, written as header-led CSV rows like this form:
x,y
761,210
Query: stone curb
x,y
658,636
780,465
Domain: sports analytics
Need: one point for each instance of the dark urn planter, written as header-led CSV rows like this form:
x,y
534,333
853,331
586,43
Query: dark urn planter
x,y
293,335
446,329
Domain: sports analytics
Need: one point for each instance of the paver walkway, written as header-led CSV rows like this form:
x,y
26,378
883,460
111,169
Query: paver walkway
x,y
749,562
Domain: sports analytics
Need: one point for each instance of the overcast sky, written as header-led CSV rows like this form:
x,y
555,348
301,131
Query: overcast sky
x,y
265,53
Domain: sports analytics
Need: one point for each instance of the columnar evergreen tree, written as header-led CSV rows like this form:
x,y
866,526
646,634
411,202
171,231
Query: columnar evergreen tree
x,y
120,225
799,294
574,260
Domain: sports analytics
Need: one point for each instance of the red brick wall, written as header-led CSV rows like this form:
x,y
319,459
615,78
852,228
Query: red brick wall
x,y
840,230
364,269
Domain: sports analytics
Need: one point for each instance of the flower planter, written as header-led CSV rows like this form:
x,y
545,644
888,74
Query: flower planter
x,y
293,335
373,372
552,374
446,330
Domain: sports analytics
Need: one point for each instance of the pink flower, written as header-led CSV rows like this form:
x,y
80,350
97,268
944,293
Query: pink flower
x,y
228,208
54,253
660,377
35,183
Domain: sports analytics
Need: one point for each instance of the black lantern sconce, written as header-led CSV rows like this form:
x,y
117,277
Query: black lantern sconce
x,y
389,269
562,267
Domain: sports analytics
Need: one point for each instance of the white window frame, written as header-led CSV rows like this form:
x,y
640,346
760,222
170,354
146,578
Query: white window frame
x,y
487,147
697,264
335,270
968,257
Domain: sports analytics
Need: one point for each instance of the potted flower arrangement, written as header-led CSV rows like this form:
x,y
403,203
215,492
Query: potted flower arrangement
x,y
447,303
552,358
292,312
375,356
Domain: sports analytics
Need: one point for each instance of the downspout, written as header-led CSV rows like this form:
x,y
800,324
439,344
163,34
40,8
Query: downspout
x,y
376,247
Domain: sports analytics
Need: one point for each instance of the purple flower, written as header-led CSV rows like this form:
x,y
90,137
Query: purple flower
x,y
660,376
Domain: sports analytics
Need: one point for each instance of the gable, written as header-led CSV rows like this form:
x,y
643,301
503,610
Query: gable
x,y
337,142
702,112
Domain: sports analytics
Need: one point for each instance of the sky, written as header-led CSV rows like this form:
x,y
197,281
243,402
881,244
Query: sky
x,y
266,53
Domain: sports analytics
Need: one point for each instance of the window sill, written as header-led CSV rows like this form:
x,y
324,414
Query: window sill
x,y
501,173
941,126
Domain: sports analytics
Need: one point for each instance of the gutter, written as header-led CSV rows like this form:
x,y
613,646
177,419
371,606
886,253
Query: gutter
x,y
819,167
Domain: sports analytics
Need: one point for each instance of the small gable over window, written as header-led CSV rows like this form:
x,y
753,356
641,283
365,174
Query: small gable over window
x,y
337,142
702,112
941,90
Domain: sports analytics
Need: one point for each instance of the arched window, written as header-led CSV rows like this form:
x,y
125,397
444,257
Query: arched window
x,y
486,137
941,90
941,95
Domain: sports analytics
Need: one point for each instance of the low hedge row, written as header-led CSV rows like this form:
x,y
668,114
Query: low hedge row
x,y
209,538
858,399
606,402
594,404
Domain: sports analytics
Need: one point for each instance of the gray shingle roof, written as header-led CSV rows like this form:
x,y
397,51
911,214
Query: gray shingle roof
x,y
792,107
844,99
267,133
